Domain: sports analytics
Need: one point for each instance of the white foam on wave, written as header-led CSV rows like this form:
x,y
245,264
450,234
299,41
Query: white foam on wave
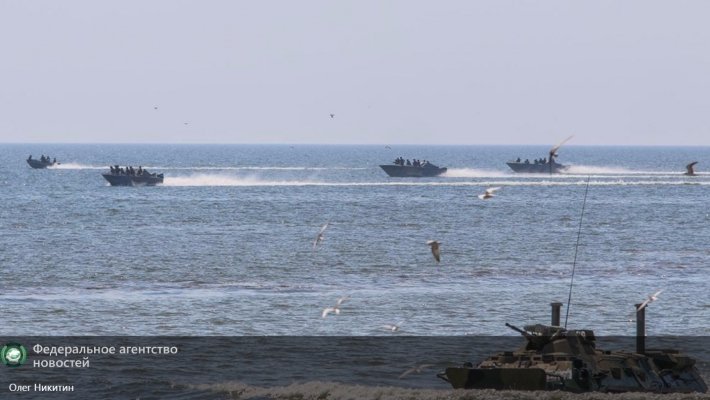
x,y
616,171
72,165
334,391
255,168
216,179
596,170
228,180
471,173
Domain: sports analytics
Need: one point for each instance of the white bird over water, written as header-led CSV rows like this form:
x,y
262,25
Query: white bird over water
x,y
415,369
335,309
650,300
435,249
319,236
393,327
488,193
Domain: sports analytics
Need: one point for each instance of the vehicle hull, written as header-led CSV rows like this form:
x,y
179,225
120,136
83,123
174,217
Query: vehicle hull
x,y
554,358
133,180
408,171
532,168
37,164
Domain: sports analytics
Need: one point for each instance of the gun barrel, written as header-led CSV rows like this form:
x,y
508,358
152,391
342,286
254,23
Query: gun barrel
x,y
515,328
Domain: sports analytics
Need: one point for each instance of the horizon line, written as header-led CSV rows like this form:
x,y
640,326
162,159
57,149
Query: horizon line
x,y
340,144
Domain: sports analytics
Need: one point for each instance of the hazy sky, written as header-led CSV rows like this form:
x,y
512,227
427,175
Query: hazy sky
x,y
410,71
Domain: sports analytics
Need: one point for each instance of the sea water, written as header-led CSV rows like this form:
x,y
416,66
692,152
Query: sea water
x,y
225,245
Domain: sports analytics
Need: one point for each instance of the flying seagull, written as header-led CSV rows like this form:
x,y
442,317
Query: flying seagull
x,y
393,327
691,170
415,369
648,301
319,236
489,193
435,249
335,309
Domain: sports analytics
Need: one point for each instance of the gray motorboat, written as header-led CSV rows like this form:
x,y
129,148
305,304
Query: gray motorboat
x,y
541,166
122,177
411,171
41,163
536,168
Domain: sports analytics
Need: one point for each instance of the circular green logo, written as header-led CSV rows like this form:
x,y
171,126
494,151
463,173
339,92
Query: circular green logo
x,y
13,354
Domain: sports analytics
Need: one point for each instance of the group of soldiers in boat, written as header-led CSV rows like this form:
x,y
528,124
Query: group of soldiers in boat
x,y
414,163
536,161
44,160
129,170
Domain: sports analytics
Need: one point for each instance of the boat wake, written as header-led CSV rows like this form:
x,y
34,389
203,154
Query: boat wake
x,y
595,170
255,168
555,180
227,180
471,173
584,170
72,165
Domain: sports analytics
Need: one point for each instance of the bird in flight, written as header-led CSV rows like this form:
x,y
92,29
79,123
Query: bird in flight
x,y
319,236
488,194
649,300
415,369
332,115
335,309
393,327
690,169
435,249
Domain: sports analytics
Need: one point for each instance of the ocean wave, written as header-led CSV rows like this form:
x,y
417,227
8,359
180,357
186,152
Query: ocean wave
x,y
333,391
75,165
255,168
230,180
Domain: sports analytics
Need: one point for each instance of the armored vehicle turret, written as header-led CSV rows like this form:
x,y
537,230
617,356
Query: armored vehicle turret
x,y
555,358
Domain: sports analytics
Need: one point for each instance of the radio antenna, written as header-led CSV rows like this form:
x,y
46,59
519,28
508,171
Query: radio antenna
x,y
576,248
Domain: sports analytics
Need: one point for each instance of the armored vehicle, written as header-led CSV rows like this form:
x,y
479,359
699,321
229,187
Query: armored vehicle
x,y
554,358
